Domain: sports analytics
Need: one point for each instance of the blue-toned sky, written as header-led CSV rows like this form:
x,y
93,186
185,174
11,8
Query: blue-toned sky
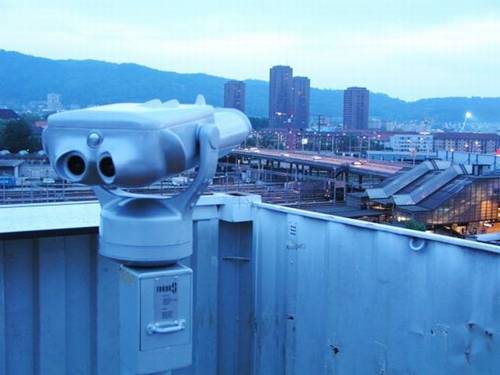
x,y
408,49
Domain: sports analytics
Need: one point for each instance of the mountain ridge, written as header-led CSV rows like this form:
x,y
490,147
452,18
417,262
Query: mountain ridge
x,y
25,78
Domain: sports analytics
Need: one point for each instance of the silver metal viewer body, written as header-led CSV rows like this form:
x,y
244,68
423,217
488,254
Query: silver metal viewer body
x,y
132,145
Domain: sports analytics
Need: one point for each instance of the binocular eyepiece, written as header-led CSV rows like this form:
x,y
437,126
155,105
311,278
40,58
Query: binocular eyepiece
x,y
73,166
76,165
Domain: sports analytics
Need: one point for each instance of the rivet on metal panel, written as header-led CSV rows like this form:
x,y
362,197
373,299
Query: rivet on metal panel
x,y
335,350
416,244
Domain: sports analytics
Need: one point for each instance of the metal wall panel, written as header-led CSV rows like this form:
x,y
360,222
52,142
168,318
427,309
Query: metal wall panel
x,y
51,310
235,302
59,305
334,297
291,293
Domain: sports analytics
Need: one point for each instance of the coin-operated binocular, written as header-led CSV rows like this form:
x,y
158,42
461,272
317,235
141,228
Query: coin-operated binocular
x,y
120,146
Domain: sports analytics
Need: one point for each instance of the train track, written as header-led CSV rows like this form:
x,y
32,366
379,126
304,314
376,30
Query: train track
x,y
270,192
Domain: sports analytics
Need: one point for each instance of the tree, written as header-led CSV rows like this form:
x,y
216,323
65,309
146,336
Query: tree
x,y
415,225
18,135
259,123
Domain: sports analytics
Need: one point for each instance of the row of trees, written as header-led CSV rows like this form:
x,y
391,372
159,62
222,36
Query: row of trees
x,y
17,135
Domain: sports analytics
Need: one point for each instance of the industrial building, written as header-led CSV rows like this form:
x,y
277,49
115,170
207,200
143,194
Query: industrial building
x,y
471,158
463,198
468,202
401,156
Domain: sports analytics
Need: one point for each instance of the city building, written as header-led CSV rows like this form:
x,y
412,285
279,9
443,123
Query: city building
x,y
400,156
54,103
280,96
467,142
486,161
468,204
325,140
10,167
356,108
411,143
301,98
443,196
234,95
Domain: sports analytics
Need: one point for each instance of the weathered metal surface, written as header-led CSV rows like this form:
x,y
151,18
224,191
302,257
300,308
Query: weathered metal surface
x,y
336,296
292,292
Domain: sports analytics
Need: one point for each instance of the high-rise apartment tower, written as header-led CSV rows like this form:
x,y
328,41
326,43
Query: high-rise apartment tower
x,y
234,95
280,96
356,108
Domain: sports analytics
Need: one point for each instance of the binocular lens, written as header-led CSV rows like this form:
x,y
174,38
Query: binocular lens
x,y
76,165
107,167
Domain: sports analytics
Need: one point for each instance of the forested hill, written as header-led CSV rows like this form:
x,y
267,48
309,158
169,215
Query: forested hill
x,y
25,78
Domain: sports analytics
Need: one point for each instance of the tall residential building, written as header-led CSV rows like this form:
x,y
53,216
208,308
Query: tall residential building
x,y
54,103
356,108
280,96
300,108
234,95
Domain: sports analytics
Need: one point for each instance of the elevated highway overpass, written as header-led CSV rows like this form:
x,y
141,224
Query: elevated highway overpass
x,y
334,163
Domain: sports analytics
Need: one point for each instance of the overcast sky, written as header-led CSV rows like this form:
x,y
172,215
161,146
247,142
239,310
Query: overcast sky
x,y
407,49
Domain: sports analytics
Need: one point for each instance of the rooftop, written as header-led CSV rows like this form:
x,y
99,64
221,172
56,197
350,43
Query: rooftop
x,y
427,186
276,290
466,135
10,162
